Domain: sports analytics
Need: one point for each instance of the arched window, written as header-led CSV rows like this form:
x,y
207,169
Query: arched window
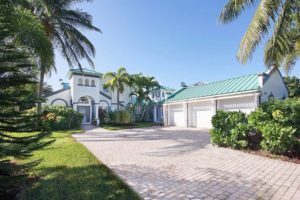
x,y
86,82
80,81
83,100
93,83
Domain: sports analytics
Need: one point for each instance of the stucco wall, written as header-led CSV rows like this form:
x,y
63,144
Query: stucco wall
x,y
275,85
244,104
78,91
57,99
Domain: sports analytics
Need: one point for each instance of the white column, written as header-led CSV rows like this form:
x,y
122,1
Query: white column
x,y
165,115
97,114
168,115
214,105
154,114
185,113
256,99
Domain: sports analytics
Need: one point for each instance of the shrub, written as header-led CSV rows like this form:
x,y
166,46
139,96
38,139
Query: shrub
x,y
120,117
230,129
61,118
277,138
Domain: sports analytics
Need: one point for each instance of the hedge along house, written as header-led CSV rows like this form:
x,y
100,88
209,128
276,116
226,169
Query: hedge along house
x,y
86,94
194,106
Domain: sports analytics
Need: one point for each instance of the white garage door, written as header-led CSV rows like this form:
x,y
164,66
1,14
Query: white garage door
x,y
203,118
177,118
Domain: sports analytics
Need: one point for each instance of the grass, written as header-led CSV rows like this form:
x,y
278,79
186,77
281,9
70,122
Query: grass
x,y
114,127
69,171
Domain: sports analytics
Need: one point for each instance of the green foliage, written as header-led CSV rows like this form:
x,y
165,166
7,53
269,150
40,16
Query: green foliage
x,y
120,117
258,118
293,84
230,129
61,118
277,138
17,75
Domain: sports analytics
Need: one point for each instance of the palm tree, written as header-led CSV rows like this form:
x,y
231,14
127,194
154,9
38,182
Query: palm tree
x,y
117,80
61,23
143,85
283,46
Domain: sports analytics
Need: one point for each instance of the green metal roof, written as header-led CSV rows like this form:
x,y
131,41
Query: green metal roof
x,y
161,87
84,71
228,86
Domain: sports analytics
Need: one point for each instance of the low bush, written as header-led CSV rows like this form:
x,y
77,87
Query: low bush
x,y
230,129
61,118
120,117
278,139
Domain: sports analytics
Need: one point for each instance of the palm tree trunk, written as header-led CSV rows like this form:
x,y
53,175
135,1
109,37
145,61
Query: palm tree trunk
x,y
118,99
40,89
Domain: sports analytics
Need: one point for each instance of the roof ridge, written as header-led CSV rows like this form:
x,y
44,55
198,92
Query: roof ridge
x,y
193,86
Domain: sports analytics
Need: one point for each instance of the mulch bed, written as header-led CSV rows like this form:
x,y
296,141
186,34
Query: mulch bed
x,y
294,158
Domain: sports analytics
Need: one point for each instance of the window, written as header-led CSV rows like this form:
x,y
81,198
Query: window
x,y
158,94
86,82
80,81
152,95
163,94
83,100
105,89
93,83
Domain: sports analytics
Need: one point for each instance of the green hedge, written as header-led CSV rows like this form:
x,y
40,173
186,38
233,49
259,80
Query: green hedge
x,y
273,127
120,117
61,118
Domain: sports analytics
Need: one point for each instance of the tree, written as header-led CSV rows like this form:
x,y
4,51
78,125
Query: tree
x,y
283,46
143,85
61,23
117,81
21,45
293,84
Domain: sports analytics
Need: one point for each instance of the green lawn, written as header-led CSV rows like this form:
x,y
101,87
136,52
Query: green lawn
x,y
69,171
114,127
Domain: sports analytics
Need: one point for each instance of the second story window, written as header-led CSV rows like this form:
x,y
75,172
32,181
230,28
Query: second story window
x,y
105,89
86,82
152,95
80,81
93,83
158,94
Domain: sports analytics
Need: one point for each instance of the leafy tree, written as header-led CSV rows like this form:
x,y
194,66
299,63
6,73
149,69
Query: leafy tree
x,y
117,81
293,84
62,24
283,46
143,85
17,77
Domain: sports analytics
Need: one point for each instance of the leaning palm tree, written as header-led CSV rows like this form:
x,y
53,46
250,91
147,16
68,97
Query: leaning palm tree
x,y
61,22
117,81
283,46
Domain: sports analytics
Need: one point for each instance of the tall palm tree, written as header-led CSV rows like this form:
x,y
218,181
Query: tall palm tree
x,y
283,46
61,22
117,81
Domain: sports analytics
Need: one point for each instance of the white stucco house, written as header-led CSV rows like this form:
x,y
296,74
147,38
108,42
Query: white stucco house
x,y
194,106
85,93
158,96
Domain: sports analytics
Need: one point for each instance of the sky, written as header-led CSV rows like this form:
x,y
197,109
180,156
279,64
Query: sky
x,y
173,40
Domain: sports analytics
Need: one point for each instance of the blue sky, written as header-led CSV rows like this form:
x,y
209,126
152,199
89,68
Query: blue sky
x,y
173,40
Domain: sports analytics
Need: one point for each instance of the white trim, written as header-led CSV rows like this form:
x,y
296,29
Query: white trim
x,y
229,96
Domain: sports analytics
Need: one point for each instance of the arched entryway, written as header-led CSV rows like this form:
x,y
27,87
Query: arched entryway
x,y
85,106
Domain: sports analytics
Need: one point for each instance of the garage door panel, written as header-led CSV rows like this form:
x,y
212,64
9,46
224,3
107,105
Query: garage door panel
x,y
203,118
177,118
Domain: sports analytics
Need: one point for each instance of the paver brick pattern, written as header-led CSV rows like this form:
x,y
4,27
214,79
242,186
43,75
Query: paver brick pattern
x,y
176,163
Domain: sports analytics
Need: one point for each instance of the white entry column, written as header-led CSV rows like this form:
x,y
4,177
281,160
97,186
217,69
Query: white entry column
x,y
185,113
165,112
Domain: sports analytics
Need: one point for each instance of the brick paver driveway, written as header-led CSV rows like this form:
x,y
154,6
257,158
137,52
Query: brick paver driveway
x,y
172,163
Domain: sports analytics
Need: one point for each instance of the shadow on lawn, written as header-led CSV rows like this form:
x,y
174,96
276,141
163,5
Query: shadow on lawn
x,y
91,182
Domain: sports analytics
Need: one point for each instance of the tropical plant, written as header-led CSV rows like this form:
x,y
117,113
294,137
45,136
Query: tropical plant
x,y
143,85
283,46
62,24
293,84
117,81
